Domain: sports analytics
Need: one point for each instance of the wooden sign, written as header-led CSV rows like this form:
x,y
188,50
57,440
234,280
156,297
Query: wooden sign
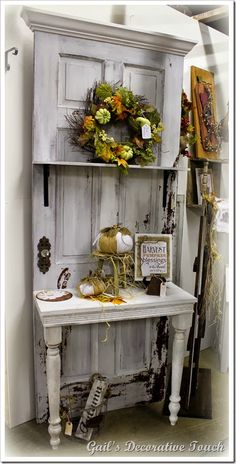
x,y
93,407
204,113
153,255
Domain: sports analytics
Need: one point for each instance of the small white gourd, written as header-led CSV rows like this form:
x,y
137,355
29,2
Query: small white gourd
x,y
91,286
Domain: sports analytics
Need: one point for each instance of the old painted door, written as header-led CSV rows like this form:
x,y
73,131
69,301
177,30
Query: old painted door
x,y
82,200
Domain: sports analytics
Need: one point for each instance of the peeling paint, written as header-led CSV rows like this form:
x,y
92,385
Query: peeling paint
x,y
159,385
159,381
169,202
144,386
162,336
42,353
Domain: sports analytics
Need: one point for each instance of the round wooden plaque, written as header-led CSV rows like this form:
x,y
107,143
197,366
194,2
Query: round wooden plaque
x,y
54,295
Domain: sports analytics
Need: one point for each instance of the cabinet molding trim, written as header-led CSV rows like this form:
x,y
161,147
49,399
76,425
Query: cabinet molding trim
x,y
38,20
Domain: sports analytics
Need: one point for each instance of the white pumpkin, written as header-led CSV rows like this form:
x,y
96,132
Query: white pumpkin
x,y
86,289
114,240
124,243
91,286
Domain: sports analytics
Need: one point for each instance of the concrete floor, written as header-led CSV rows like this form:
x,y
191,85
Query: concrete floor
x,y
143,425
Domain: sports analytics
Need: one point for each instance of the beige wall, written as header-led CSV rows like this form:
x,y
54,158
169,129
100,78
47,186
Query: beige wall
x,y
19,339
19,84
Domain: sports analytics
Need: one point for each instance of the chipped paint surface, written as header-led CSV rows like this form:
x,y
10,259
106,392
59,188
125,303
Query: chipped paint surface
x,y
98,198
136,370
125,390
159,383
169,203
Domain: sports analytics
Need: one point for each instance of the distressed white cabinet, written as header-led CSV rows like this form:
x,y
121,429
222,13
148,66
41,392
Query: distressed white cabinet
x,y
70,55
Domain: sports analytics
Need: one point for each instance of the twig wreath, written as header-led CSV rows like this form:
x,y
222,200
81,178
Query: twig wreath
x,y
110,105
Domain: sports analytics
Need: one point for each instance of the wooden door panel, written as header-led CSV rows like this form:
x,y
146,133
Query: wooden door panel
x,y
145,81
84,200
66,61
125,389
137,200
74,206
104,346
133,347
77,357
76,75
106,199
44,225
65,151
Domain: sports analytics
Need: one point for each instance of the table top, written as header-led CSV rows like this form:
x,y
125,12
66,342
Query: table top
x,y
138,305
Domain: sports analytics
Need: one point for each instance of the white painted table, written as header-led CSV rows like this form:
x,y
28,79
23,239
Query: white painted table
x,y
177,304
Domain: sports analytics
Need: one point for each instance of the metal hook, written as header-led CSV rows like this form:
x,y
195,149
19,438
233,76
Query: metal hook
x,y
14,51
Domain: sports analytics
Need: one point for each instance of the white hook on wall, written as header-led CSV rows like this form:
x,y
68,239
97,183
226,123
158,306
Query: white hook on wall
x,y
14,51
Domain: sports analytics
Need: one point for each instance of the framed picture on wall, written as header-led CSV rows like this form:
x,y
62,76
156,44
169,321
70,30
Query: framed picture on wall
x,y
153,255
204,113
199,183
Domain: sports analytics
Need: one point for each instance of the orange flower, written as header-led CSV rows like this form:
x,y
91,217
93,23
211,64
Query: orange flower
x,y
89,123
118,107
116,99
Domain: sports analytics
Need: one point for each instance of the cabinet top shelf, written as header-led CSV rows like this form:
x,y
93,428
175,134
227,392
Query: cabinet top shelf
x,y
107,165
49,22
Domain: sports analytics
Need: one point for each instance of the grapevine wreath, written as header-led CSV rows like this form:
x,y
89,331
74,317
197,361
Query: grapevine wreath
x,y
114,105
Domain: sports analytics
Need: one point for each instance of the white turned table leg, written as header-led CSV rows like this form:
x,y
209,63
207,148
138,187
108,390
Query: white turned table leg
x,y
52,336
180,323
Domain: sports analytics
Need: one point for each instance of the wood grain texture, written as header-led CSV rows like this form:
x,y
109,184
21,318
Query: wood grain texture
x,y
84,199
71,60
208,77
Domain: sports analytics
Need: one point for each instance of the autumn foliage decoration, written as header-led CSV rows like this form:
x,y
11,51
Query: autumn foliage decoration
x,y
187,131
114,105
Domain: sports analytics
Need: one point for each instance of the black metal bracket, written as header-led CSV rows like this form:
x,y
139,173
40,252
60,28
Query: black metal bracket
x,y
46,174
196,264
165,185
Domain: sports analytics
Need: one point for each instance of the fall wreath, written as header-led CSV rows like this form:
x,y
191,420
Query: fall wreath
x,y
110,105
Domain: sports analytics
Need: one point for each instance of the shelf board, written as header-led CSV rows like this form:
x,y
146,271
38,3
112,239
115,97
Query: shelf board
x,y
220,161
106,165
